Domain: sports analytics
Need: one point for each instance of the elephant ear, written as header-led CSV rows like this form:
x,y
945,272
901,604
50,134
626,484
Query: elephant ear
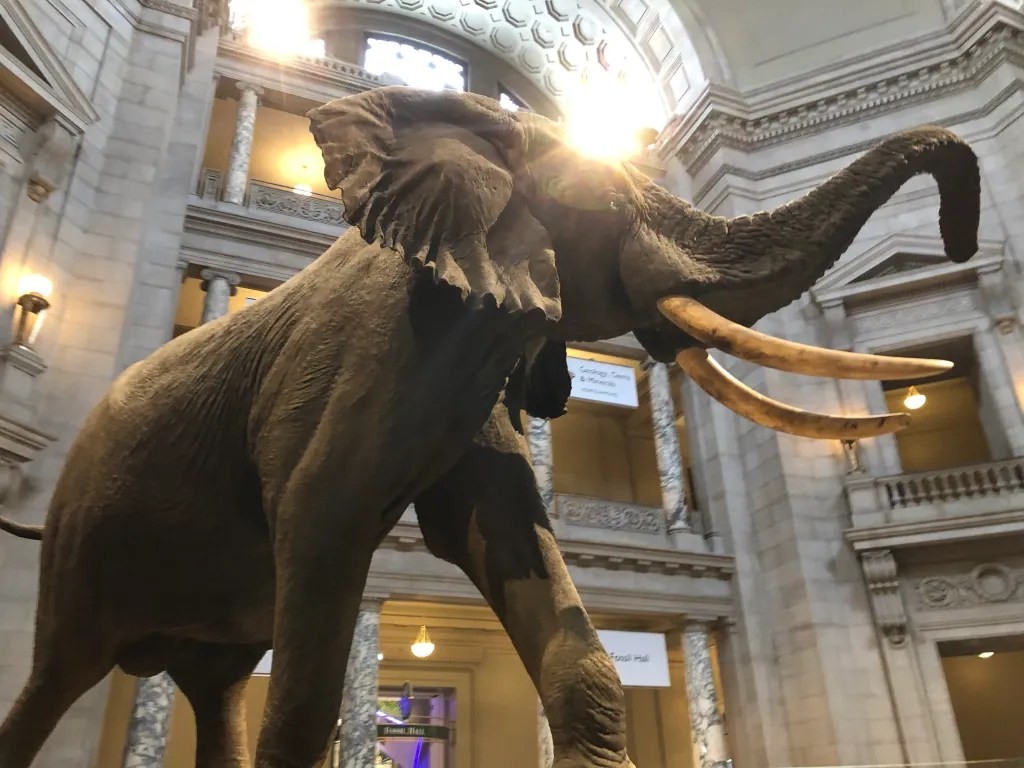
x,y
432,176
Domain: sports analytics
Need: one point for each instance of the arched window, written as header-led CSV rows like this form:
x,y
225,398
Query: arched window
x,y
415,65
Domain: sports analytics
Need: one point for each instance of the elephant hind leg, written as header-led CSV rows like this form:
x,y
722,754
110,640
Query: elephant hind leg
x,y
214,677
53,686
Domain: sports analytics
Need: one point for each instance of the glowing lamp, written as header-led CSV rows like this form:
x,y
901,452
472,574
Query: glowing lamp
x,y
33,301
914,399
422,647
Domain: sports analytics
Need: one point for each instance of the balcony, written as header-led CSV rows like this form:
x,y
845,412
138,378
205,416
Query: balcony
x,y
943,505
277,199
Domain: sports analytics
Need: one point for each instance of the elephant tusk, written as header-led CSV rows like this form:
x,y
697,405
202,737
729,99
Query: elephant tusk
x,y
738,397
716,331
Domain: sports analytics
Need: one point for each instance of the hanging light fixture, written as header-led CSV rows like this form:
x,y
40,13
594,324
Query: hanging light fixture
x,y
422,647
914,399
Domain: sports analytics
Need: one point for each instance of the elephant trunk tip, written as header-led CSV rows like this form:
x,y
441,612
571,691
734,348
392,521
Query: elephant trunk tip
x,y
959,181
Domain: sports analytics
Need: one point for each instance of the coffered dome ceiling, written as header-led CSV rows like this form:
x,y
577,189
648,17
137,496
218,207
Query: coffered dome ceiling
x,y
553,41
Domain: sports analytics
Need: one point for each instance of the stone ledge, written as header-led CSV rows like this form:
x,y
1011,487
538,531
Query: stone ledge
x,y
406,537
933,532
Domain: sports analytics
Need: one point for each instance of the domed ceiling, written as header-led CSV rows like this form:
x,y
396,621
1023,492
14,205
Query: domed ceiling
x,y
553,41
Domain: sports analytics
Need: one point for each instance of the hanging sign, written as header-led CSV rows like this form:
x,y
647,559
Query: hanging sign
x,y
640,658
412,731
601,382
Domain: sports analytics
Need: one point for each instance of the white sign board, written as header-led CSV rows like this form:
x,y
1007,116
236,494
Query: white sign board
x,y
603,382
640,658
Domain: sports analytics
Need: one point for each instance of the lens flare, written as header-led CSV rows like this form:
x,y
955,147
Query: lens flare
x,y
279,28
606,115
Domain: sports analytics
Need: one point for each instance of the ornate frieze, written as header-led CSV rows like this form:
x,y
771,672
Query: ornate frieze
x,y
723,121
264,197
610,515
986,583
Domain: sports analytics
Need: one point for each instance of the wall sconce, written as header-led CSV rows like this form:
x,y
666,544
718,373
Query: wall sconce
x,y
914,399
33,301
422,647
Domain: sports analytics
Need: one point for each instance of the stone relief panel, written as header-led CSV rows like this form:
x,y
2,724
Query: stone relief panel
x,y
987,583
610,515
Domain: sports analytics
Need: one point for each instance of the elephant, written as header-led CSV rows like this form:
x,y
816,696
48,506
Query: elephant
x,y
227,493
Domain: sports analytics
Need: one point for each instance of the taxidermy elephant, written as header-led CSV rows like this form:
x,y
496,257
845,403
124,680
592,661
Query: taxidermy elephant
x,y
228,492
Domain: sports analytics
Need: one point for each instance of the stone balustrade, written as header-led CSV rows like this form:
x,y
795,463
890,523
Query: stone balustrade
x,y
956,492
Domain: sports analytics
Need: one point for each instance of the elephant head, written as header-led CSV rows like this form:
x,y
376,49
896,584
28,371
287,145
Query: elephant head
x,y
499,206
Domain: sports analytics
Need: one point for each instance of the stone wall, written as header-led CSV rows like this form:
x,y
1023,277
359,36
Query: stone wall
x,y
805,670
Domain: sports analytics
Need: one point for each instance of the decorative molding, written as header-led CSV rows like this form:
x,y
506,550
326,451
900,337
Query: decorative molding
x,y
166,6
609,515
406,537
269,197
876,271
880,572
922,312
985,584
725,118
551,42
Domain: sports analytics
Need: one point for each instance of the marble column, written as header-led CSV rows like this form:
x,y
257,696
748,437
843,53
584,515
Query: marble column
x,y
241,146
359,702
220,287
666,444
538,437
146,740
706,726
545,745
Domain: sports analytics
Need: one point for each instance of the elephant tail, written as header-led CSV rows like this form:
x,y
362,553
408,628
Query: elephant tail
x,y
34,532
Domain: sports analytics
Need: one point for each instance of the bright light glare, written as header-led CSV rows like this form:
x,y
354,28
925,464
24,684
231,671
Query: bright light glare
x,y
604,116
35,284
277,27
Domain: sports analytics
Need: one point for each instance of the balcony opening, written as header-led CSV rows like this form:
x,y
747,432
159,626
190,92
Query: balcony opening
x,y
604,447
957,425
284,156
983,678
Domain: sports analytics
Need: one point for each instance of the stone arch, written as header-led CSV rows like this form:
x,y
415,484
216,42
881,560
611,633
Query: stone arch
x,y
551,42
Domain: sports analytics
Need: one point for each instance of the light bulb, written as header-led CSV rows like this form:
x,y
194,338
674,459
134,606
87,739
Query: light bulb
x,y
914,399
35,284
986,654
422,647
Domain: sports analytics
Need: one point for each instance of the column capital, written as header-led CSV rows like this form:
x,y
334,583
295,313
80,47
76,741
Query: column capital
x,y
244,86
209,274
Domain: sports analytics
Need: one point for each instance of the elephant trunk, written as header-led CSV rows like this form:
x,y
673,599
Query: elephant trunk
x,y
773,257
754,265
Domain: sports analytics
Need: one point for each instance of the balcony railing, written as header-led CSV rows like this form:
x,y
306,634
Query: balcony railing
x,y
1001,478
992,489
276,198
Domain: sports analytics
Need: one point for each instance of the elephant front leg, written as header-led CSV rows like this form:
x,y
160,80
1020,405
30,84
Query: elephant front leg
x,y
486,516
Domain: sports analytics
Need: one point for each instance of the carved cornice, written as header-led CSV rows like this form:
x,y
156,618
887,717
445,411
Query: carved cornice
x,y
318,80
406,537
725,118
